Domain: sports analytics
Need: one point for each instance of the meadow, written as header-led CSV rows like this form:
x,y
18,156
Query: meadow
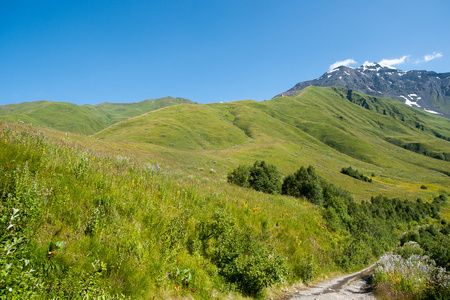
x,y
142,209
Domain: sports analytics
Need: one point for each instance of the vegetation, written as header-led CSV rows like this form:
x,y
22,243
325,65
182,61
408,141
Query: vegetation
x,y
79,224
261,177
415,277
369,227
85,119
355,174
304,183
143,209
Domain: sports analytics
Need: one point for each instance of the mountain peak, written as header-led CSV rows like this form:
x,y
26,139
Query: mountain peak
x,y
425,90
373,66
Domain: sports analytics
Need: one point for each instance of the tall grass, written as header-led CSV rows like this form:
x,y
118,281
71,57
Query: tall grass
x,y
93,223
81,219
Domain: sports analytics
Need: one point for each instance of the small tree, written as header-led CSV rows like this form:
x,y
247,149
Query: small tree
x,y
265,178
261,177
240,176
304,183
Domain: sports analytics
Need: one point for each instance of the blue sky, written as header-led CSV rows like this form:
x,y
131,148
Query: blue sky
x,y
206,51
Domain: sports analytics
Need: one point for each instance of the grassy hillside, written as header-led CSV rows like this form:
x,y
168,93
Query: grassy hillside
x,y
96,221
85,119
142,209
318,126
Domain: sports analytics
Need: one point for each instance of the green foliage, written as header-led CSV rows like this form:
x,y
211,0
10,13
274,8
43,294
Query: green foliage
x,y
17,276
355,174
304,183
240,176
240,257
307,269
261,176
409,249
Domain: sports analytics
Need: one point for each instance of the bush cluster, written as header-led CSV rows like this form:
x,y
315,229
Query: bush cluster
x,y
355,174
369,227
304,183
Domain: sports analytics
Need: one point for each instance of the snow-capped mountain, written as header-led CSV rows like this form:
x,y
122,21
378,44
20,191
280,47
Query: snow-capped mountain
x,y
426,90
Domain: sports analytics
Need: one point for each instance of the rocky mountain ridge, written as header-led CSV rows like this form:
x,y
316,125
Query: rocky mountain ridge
x,y
425,90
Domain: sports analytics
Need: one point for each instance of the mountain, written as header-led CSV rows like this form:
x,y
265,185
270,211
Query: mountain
x,y
84,119
425,90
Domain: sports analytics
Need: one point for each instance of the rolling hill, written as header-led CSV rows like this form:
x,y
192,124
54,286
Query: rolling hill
x,y
327,127
85,119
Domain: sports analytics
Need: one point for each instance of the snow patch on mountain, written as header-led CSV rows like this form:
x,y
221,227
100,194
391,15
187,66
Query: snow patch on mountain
x,y
432,111
410,102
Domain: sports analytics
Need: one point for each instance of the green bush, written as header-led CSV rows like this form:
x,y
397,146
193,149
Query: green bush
x,y
240,257
304,183
307,269
240,176
355,174
409,249
261,177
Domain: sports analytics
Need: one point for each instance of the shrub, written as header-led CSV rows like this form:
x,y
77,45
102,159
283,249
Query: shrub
x,y
265,178
355,174
261,177
240,176
304,183
409,249
240,257
307,270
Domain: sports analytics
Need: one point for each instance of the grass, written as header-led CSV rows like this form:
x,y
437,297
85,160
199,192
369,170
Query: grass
x,y
103,201
118,211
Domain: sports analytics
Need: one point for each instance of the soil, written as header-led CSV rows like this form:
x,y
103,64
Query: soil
x,y
352,286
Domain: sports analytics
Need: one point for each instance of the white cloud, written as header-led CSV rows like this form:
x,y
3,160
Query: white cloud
x,y
394,61
346,63
435,55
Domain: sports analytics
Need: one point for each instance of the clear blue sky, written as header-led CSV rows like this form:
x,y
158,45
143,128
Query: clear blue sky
x,y
207,51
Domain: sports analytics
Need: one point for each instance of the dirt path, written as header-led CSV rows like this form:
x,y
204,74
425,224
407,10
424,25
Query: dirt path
x,y
353,286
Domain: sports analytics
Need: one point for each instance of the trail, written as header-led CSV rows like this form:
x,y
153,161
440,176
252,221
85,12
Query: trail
x,y
353,286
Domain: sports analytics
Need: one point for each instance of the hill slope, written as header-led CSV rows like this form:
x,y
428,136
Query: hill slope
x,y
327,127
85,119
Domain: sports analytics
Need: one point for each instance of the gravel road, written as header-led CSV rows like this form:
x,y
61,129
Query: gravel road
x,y
353,286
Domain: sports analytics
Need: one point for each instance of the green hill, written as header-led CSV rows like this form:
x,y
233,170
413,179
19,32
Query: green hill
x,y
85,119
142,209
319,126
